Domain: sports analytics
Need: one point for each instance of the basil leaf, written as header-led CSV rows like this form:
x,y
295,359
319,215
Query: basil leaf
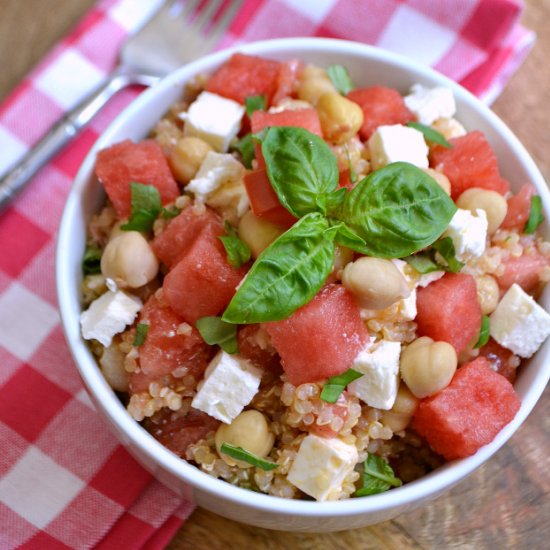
x,y
446,248
535,215
397,210
335,199
430,134
335,385
341,79
238,252
300,166
146,206
346,237
255,103
91,262
378,477
245,147
484,332
286,275
241,454
423,263
214,331
141,334
168,214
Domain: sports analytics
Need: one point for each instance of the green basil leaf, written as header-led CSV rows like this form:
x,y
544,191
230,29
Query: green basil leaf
x,y
300,166
286,275
484,332
446,248
255,103
423,263
378,477
141,334
146,206
245,147
535,215
335,199
238,252
397,210
214,331
91,262
430,134
346,237
239,453
341,79
169,213
335,385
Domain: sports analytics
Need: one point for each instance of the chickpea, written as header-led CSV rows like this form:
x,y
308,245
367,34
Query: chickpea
x,y
340,118
129,260
440,178
258,234
400,415
342,257
315,82
249,431
449,127
427,366
376,283
186,157
112,367
488,293
493,203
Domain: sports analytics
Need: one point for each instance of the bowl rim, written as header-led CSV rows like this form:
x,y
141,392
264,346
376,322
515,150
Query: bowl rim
x,y
428,486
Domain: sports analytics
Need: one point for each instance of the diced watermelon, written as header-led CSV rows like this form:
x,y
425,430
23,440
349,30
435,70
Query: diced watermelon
x,y
381,106
525,270
245,75
286,81
502,360
470,162
165,350
202,283
320,339
123,163
519,207
178,236
344,179
255,345
468,413
448,310
177,430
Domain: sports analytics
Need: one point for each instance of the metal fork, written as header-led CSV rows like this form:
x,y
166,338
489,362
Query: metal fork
x,y
173,36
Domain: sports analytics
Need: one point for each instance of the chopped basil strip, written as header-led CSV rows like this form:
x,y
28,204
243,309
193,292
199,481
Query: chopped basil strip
x,y
146,206
239,453
378,477
352,174
423,263
169,213
141,334
245,146
238,252
446,248
341,79
91,263
214,331
484,332
430,134
255,103
535,215
335,385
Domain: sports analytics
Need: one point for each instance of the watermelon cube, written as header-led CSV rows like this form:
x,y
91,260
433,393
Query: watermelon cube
x,y
255,346
123,163
519,207
449,310
322,338
525,270
289,72
468,413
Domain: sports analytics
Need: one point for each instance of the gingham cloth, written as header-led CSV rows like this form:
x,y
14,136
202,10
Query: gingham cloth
x,y
64,479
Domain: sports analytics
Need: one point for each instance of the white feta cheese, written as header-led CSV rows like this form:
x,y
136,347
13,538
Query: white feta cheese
x,y
109,315
379,365
407,307
214,119
429,104
469,233
216,170
230,382
321,466
398,143
519,323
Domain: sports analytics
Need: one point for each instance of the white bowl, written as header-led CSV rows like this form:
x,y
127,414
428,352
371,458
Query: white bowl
x,y
367,66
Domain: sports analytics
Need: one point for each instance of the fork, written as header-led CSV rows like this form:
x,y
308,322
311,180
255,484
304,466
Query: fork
x,y
173,36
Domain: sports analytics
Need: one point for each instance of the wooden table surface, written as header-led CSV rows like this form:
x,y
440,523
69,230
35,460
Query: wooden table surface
x,y
506,502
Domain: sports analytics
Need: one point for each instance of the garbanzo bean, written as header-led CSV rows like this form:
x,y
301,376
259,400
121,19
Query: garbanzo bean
x,y
488,293
427,366
440,178
400,415
249,431
129,260
449,127
340,118
342,257
493,203
376,283
112,367
314,83
258,234
187,156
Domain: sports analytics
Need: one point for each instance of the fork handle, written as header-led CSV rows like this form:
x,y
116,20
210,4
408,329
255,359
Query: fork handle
x,y
65,130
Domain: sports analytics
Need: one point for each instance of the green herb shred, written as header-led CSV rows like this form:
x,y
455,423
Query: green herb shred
x,y
239,453
146,206
430,134
378,477
341,79
214,331
91,262
535,215
335,385
484,332
141,334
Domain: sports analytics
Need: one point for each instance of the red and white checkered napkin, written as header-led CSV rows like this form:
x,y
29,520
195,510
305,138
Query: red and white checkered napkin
x,y
64,480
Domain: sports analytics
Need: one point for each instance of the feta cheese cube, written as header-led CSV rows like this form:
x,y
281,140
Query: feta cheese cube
x,y
469,233
216,170
380,368
429,104
108,315
230,382
519,323
398,143
321,466
214,119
